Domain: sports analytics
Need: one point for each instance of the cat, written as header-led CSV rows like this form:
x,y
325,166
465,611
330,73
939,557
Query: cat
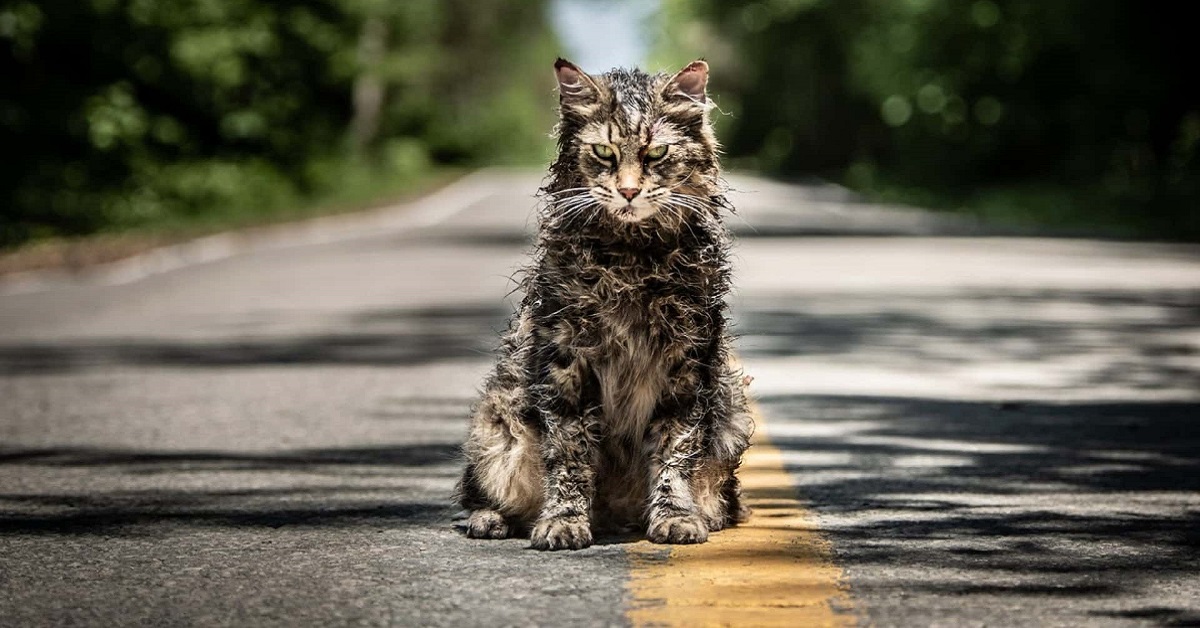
x,y
614,404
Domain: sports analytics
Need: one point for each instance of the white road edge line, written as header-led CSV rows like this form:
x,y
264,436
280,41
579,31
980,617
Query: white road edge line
x,y
426,211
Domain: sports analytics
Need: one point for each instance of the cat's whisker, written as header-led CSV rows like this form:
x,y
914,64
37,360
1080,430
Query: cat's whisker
x,y
573,207
678,211
692,200
576,195
574,200
702,199
687,205
581,200
689,202
710,203
568,206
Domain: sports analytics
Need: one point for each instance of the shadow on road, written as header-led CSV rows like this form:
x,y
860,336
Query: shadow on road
x,y
1012,499
142,462
135,492
376,486
389,338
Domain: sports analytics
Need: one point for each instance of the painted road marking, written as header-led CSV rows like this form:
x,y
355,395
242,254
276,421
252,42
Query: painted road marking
x,y
774,570
426,211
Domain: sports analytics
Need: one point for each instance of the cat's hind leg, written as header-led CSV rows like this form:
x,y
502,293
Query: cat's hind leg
x,y
715,485
502,482
486,523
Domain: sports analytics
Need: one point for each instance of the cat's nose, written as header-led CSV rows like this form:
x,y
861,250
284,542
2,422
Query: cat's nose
x,y
629,193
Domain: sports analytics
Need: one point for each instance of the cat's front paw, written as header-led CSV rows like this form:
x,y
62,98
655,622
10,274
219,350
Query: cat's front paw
x,y
678,530
557,533
487,524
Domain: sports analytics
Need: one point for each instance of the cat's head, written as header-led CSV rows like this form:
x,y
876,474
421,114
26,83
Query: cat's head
x,y
633,147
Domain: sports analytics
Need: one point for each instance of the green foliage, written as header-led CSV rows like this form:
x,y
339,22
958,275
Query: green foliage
x,y
122,113
957,100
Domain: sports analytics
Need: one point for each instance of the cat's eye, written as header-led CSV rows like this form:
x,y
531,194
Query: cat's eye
x,y
657,152
603,151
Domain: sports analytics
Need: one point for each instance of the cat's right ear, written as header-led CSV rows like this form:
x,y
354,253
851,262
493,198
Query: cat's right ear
x,y
575,88
689,83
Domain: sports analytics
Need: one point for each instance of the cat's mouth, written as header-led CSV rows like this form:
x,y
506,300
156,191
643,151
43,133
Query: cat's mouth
x,y
632,212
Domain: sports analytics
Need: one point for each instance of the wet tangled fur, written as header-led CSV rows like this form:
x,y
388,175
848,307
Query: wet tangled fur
x,y
614,404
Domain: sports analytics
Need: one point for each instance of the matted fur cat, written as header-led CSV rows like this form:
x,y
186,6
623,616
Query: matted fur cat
x,y
614,404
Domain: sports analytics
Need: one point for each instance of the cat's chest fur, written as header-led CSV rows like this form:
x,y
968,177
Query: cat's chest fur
x,y
639,320
632,374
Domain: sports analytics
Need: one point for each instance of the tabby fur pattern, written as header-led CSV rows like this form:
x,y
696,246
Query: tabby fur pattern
x,y
614,404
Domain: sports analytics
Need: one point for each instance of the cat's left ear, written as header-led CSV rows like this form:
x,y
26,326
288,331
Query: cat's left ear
x,y
689,83
575,87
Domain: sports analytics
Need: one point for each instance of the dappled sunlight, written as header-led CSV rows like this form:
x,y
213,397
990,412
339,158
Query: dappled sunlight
x,y
997,344
933,444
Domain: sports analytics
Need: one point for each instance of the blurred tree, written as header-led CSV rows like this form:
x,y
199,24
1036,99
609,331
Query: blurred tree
x,y
1067,106
115,113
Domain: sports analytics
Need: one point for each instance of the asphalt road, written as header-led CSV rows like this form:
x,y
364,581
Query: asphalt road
x,y
262,430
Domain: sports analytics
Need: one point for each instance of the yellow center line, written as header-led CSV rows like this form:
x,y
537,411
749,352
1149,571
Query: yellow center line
x,y
773,570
